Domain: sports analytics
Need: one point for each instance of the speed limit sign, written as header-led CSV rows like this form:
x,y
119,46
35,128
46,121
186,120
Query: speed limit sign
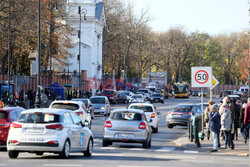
x,y
201,76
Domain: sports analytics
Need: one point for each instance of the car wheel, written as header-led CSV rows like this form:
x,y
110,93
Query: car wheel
x,y
13,154
145,144
162,102
66,150
39,153
155,130
105,143
89,150
170,126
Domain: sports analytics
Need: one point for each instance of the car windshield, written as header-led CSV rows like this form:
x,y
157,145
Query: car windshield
x,y
126,93
143,90
199,108
97,100
3,115
183,108
39,118
136,96
156,95
129,116
67,106
143,108
84,101
107,92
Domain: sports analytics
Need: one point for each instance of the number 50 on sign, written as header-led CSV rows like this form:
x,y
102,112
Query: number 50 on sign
x,y
201,76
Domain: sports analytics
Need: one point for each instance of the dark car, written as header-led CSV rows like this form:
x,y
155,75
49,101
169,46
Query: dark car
x,y
110,94
181,114
122,98
157,97
227,92
7,116
195,93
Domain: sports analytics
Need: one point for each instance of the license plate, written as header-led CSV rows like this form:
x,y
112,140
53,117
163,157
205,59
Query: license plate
x,y
177,116
156,100
124,135
35,140
34,130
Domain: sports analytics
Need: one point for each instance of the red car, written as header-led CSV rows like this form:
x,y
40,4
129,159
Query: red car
x,y
110,94
7,116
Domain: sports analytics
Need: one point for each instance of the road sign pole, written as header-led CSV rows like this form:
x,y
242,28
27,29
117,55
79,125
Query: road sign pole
x,y
202,116
211,94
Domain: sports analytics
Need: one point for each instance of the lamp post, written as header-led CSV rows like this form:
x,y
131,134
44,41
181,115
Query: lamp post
x,y
9,53
50,53
79,36
38,93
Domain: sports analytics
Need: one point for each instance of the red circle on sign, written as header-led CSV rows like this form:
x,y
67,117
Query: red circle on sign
x,y
199,81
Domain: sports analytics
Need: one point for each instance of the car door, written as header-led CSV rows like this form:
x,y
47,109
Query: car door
x,y
69,126
78,134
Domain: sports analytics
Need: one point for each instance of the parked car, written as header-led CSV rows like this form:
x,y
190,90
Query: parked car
x,y
77,106
227,92
101,105
137,98
157,97
129,126
181,114
110,94
205,93
150,112
122,98
88,106
7,116
57,131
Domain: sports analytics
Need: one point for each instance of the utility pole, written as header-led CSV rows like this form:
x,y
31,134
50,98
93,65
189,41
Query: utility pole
x,y
79,36
9,53
38,93
50,43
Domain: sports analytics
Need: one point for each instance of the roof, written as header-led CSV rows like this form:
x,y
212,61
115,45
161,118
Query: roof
x,y
66,102
47,110
99,10
141,104
129,110
11,108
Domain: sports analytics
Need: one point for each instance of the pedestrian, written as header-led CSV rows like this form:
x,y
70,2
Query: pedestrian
x,y
207,111
69,94
231,134
226,122
241,124
236,118
214,126
74,93
247,119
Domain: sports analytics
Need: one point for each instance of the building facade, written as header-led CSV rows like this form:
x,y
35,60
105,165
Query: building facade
x,y
90,37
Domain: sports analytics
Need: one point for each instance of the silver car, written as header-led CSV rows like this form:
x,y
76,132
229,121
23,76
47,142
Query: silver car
x,y
101,105
129,126
49,130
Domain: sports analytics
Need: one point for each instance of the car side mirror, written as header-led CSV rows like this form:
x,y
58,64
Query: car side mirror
x,y
89,111
150,120
155,108
86,123
158,113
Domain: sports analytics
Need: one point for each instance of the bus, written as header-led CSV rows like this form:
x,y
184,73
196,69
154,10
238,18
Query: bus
x,y
181,89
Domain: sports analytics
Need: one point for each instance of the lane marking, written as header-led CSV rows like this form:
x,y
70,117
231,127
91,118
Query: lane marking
x,y
165,149
74,165
191,152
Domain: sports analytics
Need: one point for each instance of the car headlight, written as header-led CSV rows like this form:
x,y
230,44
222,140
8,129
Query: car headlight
x,y
103,108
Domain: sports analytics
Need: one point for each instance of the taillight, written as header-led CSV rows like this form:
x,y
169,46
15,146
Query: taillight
x,y
55,127
153,115
13,141
79,113
142,125
15,125
108,124
187,113
170,112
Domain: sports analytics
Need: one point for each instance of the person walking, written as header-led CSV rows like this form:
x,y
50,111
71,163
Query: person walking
x,y
236,118
207,111
214,126
241,123
226,122
247,119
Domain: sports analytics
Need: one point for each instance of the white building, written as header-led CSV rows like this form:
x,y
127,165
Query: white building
x,y
91,36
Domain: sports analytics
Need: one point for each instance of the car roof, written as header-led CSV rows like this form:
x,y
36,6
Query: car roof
x,y
98,97
11,108
67,102
129,110
78,99
141,104
46,110
233,96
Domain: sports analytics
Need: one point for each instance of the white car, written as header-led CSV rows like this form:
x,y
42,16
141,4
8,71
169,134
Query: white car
x,y
137,98
77,106
150,112
49,130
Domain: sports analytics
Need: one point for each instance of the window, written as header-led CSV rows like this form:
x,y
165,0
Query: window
x,y
129,116
143,108
67,119
3,115
66,106
76,119
13,115
39,118
98,100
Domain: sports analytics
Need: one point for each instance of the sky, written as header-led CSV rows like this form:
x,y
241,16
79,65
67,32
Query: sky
x,y
209,16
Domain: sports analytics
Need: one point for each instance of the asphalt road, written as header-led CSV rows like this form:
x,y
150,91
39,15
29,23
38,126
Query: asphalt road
x,y
163,152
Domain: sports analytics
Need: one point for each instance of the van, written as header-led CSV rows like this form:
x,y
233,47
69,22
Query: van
x,y
243,89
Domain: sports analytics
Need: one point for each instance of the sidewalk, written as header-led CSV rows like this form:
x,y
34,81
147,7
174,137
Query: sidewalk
x,y
241,149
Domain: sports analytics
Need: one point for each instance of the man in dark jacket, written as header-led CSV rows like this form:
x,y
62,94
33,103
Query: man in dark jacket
x,y
236,118
214,126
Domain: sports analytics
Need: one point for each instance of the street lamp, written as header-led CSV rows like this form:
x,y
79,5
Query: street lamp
x,y
38,93
80,11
